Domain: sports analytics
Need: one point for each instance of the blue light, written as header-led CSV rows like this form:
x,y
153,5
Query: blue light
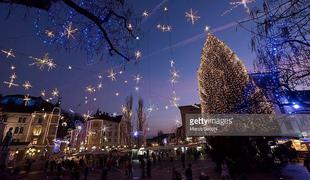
x,y
296,106
135,133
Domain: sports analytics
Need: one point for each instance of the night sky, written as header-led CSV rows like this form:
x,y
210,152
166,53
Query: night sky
x,y
18,33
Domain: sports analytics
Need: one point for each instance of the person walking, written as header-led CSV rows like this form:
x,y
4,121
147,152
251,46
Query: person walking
x,y
188,172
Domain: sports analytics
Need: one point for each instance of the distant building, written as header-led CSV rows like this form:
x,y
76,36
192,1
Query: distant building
x,y
188,109
104,130
35,124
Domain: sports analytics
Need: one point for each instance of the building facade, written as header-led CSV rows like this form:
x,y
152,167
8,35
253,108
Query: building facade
x,y
34,124
104,131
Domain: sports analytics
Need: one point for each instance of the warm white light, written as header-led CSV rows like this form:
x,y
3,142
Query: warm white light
x,y
191,16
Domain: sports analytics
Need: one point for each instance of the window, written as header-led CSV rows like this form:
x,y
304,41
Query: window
x,y
16,130
35,141
115,133
40,120
20,119
110,133
24,120
21,130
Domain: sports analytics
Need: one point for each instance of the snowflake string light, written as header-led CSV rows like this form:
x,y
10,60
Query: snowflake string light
x,y
42,93
26,99
112,75
27,85
55,92
49,33
145,13
8,53
69,31
207,29
175,101
166,107
11,82
191,16
44,61
172,63
174,76
13,67
165,9
137,78
235,4
117,94
90,89
69,67
137,88
100,85
138,54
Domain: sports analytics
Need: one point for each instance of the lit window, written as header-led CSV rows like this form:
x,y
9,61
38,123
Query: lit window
x,y
16,130
35,141
21,130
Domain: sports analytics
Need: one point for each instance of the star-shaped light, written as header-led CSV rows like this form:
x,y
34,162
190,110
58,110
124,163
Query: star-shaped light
x,y
49,33
112,75
138,54
90,89
69,67
42,93
145,13
26,99
8,53
55,92
27,85
44,61
87,115
11,82
192,16
13,67
235,4
137,78
69,31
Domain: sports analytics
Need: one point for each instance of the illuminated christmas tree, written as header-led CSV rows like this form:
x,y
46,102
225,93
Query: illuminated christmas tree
x,y
224,83
226,88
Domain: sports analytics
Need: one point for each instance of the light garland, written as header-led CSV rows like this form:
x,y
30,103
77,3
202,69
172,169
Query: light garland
x,y
138,54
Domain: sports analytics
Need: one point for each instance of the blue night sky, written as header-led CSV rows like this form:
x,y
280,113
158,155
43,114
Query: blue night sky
x,y
18,33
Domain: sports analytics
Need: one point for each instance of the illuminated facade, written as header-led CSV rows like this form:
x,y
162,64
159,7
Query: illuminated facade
x,y
104,130
34,126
